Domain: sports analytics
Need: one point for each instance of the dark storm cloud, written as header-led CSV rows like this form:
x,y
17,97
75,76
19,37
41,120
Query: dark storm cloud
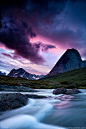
x,y
24,19
11,3
36,47
14,36
13,56
15,31
0,19
43,47
69,27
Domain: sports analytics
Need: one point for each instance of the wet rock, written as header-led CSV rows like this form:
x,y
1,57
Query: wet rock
x,y
73,91
15,100
35,96
65,91
12,101
60,91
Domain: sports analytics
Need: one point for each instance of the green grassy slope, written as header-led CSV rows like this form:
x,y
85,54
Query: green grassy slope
x,y
70,79
73,78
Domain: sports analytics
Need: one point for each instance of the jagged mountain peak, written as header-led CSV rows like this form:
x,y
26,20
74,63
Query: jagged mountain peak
x,y
20,69
22,73
73,51
2,73
70,60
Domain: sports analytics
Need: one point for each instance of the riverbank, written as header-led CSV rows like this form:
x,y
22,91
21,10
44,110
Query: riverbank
x,y
52,112
9,101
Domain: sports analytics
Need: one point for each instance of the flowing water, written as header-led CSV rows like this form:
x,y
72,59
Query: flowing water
x,y
55,112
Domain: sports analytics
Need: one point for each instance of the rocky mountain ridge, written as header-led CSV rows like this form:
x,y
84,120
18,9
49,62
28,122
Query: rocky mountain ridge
x,y
1,73
70,60
22,73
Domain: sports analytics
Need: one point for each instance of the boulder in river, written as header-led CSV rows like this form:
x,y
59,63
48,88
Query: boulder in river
x,y
65,91
73,91
60,91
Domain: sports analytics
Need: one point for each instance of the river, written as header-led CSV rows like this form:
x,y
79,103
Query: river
x,y
55,112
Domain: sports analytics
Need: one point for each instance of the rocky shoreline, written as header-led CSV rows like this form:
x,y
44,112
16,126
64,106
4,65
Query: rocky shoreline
x,y
11,101
16,88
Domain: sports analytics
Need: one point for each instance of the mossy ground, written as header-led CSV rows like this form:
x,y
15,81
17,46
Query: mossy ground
x,y
74,78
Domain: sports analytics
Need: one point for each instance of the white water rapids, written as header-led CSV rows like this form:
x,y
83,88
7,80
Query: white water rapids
x,y
30,116
39,113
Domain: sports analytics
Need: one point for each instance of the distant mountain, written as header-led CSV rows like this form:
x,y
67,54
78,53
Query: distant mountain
x,y
22,73
1,73
70,60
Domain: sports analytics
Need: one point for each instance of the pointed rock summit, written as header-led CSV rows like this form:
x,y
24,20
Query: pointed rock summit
x,y
70,60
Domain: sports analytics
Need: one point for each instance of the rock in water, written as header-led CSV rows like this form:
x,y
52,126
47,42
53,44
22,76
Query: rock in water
x,y
73,91
70,60
60,91
65,91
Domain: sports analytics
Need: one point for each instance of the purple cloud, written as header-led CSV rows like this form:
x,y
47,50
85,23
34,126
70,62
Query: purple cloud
x,y
63,22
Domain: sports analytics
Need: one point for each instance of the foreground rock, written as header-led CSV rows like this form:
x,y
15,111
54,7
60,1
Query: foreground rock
x,y
12,101
15,100
16,88
65,91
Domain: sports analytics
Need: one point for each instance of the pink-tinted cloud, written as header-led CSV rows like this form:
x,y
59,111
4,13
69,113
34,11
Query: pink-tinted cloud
x,y
54,23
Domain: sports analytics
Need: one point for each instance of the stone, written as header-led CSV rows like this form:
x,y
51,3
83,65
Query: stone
x,y
65,91
73,91
60,91
12,101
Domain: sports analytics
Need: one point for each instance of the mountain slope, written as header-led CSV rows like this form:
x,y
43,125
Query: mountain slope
x,y
22,73
70,60
70,79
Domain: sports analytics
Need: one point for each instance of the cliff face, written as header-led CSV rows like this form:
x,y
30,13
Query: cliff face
x,y
70,60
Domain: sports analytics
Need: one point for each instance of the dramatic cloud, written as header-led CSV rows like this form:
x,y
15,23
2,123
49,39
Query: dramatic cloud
x,y
61,23
16,32
36,47
68,28
43,47
15,35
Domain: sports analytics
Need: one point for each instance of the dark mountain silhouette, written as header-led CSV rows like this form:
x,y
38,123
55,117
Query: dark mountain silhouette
x,y
1,73
70,60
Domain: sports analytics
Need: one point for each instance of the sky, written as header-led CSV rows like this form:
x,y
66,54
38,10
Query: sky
x,y
35,33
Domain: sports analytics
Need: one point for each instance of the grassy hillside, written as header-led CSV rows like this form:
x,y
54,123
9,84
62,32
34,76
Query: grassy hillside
x,y
70,79
73,78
